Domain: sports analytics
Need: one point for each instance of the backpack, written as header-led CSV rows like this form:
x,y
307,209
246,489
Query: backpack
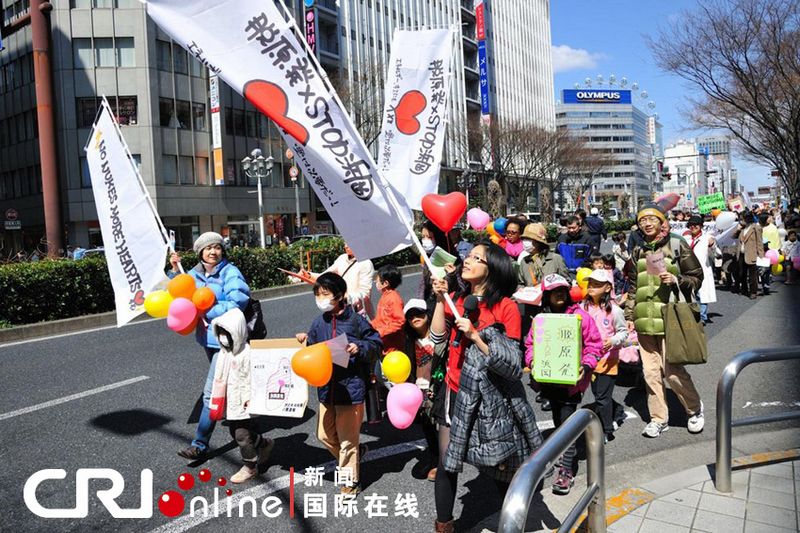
x,y
574,254
254,316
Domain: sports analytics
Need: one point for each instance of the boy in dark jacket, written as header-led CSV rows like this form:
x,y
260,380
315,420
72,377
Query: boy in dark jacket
x,y
341,401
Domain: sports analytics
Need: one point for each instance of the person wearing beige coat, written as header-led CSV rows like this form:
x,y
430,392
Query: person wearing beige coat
x,y
751,247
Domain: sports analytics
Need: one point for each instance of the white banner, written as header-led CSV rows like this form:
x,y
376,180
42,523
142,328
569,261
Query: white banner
x,y
415,112
254,49
134,239
275,390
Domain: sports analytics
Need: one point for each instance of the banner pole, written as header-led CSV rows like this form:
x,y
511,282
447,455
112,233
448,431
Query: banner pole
x,y
388,192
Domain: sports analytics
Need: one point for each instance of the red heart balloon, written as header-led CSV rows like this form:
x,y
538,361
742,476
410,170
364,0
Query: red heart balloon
x,y
272,101
444,211
410,105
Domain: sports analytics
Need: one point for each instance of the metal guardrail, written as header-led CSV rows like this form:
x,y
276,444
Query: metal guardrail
x,y
724,406
518,498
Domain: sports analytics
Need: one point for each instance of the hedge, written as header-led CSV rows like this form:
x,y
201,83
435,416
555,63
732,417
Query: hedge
x,y
63,288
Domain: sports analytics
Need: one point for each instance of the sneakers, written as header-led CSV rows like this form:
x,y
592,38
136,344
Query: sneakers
x,y
654,429
563,482
265,450
245,473
351,492
193,453
696,421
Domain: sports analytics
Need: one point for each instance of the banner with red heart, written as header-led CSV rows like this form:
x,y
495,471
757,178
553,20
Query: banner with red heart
x,y
444,210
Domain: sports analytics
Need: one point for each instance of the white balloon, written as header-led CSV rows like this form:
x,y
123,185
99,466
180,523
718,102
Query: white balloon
x,y
725,220
782,233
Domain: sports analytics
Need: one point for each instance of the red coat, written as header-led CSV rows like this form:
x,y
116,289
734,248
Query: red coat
x,y
389,321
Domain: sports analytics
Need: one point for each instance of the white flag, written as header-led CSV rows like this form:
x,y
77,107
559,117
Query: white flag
x,y
134,239
253,48
415,112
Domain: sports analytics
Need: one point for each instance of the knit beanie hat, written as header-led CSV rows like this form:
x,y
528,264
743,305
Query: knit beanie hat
x,y
651,209
207,239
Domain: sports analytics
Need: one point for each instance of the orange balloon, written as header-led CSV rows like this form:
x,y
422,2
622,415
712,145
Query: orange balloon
x,y
491,231
495,239
715,212
182,286
190,328
314,364
204,299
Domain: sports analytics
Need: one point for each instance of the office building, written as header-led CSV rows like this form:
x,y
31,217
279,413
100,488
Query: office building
x,y
610,123
686,172
160,95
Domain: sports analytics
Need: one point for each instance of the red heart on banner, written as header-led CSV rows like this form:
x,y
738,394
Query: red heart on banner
x,y
138,298
272,101
444,210
410,105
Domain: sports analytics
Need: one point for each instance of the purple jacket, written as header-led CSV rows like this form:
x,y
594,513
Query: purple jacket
x,y
592,348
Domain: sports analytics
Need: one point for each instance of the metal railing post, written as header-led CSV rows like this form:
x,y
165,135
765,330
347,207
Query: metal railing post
x,y
725,423
514,512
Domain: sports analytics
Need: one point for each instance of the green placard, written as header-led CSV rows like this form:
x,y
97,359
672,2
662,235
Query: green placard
x,y
556,348
711,201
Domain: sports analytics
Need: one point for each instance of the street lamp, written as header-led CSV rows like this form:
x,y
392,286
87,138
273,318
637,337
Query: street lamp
x,y
293,174
466,181
257,166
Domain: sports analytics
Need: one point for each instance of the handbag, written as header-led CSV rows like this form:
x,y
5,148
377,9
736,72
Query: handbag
x,y
219,390
684,333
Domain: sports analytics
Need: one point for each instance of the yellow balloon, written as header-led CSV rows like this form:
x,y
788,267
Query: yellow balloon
x,y
396,367
584,285
156,304
581,274
777,269
781,259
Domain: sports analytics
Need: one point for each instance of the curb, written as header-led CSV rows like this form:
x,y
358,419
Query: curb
x,y
98,320
628,500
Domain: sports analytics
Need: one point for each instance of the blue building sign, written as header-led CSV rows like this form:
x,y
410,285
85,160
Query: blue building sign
x,y
596,96
483,67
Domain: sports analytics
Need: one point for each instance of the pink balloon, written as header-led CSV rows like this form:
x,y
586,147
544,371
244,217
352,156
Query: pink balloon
x,y
402,404
182,313
669,200
477,218
772,255
796,263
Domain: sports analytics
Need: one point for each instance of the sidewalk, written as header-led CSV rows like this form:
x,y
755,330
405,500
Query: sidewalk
x,y
765,499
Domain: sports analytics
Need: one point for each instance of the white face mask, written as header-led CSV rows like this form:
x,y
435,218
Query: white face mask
x,y
325,304
428,245
527,246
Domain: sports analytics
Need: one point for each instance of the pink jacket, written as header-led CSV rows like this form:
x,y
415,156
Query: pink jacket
x,y
592,348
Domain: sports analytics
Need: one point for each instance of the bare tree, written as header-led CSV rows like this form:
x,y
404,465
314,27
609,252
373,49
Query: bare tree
x,y
744,58
363,99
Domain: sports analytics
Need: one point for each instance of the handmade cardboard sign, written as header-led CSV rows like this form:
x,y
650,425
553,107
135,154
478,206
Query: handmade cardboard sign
x,y
556,348
275,390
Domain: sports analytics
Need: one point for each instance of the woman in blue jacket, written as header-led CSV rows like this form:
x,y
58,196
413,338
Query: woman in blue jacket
x,y
215,272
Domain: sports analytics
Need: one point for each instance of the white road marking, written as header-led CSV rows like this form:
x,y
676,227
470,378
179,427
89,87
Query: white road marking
x,y
771,404
280,483
78,396
145,321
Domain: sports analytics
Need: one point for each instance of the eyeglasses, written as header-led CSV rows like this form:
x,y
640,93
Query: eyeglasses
x,y
475,258
512,232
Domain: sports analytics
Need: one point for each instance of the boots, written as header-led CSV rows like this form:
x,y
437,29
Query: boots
x,y
444,527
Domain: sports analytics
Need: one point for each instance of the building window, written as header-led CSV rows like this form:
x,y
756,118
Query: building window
x,y
127,110
250,117
186,170
163,55
199,116
180,60
86,177
196,68
201,170
238,122
104,52
87,110
228,114
169,169
166,113
82,53
125,52
184,114
230,172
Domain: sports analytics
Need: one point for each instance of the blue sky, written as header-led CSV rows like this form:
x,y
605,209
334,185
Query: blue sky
x,y
591,38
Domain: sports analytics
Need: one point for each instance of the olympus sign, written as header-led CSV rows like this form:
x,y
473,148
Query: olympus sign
x,y
598,95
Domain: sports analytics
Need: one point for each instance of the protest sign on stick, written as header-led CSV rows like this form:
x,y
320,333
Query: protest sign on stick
x,y
557,348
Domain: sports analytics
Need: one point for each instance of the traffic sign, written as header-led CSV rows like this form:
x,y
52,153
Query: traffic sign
x,y
11,214
289,154
294,172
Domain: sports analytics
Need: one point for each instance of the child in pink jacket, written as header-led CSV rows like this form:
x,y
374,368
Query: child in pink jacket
x,y
565,399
